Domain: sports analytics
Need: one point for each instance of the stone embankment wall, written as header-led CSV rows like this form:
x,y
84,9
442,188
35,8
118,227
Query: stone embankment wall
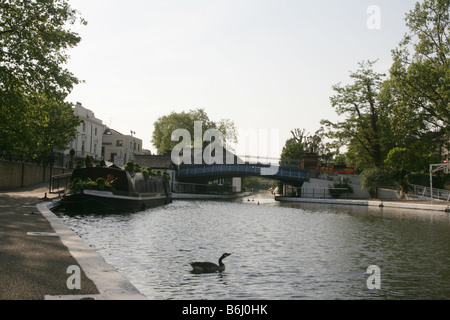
x,y
325,181
17,175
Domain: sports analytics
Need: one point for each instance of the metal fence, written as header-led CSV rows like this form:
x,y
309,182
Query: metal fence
x,y
436,193
58,183
325,193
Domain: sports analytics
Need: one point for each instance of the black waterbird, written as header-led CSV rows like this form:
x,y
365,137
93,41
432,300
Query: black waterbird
x,y
209,267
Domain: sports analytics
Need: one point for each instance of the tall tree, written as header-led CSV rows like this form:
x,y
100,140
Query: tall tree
x,y
34,38
292,152
420,80
54,122
300,143
401,123
418,90
167,124
363,123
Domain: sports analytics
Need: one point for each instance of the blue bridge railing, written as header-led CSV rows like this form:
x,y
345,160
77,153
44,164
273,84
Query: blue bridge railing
x,y
221,170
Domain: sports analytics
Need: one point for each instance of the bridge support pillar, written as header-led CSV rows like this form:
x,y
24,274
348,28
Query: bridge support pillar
x,y
292,191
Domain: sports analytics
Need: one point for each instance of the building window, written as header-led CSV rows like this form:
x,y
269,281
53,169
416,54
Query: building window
x,y
95,130
84,126
119,143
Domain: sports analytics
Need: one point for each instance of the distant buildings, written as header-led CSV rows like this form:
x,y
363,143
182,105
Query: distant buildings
x,y
95,139
100,142
117,145
88,140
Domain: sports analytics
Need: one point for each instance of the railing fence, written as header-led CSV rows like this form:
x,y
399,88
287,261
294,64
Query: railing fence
x,y
58,183
440,194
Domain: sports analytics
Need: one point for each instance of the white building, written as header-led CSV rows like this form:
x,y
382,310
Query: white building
x,y
88,140
120,148
100,142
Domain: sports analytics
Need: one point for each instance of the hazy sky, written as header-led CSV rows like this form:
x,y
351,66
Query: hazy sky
x,y
268,65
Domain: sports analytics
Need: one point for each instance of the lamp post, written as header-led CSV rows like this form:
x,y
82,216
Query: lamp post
x,y
51,160
72,154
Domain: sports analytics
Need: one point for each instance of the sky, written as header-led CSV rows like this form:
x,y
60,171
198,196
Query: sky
x,y
267,65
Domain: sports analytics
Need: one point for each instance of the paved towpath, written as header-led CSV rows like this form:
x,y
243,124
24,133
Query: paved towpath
x,y
36,250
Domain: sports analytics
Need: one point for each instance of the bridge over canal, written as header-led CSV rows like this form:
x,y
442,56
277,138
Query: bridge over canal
x,y
287,174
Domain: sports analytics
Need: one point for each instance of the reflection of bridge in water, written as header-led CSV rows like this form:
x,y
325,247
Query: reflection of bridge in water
x,y
287,174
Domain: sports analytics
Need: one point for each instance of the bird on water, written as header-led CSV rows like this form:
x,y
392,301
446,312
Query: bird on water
x,y
209,267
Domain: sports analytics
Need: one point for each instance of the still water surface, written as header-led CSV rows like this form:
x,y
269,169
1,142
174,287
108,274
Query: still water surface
x,y
279,251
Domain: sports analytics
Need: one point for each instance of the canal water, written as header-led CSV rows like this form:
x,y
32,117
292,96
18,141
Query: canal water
x,y
278,251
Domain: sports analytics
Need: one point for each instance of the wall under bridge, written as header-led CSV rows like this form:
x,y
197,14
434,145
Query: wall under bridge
x,y
318,188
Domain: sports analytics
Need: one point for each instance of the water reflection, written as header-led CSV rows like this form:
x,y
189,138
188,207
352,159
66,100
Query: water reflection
x,y
280,251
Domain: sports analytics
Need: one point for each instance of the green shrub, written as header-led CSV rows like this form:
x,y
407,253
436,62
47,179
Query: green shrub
x,y
79,164
88,184
421,179
129,166
146,173
101,184
375,178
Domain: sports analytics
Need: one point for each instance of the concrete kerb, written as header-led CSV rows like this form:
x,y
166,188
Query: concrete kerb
x,y
111,284
370,203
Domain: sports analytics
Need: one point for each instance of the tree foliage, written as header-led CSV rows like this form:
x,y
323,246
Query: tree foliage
x,y
374,178
420,80
300,143
363,125
167,124
400,122
418,89
292,152
34,38
53,125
